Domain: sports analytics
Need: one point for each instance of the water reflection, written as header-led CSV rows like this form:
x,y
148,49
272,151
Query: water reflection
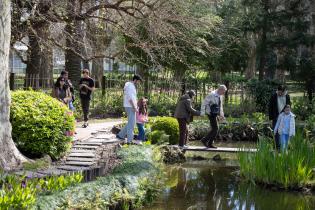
x,y
215,188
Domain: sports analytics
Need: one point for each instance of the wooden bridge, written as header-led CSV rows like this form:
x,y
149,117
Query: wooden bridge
x,y
218,149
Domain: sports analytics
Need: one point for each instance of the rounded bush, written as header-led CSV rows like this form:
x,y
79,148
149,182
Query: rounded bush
x,y
40,124
169,125
158,137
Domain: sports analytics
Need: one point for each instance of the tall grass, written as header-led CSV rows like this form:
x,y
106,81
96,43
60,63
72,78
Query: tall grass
x,y
290,169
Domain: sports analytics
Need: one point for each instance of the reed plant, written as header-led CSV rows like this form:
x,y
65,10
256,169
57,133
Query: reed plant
x,y
289,169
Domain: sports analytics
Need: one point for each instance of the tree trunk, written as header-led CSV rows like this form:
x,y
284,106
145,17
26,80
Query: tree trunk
x,y
73,43
251,66
33,62
98,71
10,157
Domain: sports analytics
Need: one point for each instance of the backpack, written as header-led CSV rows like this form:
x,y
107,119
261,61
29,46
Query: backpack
x,y
214,110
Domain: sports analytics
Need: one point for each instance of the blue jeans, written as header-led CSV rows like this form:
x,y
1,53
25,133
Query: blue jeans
x,y
128,129
284,141
141,135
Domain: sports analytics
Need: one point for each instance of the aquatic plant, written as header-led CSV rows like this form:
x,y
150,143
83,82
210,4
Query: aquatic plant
x,y
289,169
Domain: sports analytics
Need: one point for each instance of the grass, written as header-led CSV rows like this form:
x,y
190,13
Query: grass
x,y
290,170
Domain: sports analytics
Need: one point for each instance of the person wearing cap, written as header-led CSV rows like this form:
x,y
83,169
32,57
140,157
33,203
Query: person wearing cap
x,y
277,103
212,107
184,113
130,105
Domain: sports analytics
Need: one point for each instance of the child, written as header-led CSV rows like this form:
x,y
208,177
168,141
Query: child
x,y
285,126
141,118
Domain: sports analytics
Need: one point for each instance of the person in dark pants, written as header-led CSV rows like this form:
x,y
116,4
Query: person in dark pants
x,y
86,87
277,103
213,108
184,113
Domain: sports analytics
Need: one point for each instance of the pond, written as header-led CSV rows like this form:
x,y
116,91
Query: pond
x,y
198,185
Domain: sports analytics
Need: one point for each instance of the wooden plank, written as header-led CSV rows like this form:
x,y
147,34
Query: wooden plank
x,y
219,149
81,159
75,154
72,168
79,163
85,147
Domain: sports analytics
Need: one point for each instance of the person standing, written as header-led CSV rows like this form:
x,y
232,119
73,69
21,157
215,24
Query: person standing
x,y
86,87
184,113
285,127
142,118
130,105
212,107
62,92
69,85
277,103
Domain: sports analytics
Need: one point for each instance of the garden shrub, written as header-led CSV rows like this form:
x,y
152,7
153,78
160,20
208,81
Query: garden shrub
x,y
261,91
302,108
162,105
169,125
40,124
158,137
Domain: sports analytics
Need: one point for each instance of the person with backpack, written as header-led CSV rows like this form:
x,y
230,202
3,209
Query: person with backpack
x,y
212,106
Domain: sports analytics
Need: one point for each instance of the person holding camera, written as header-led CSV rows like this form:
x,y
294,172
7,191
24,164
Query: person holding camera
x,y
212,107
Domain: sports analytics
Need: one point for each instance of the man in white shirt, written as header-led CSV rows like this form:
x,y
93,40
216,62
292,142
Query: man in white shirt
x,y
212,106
130,105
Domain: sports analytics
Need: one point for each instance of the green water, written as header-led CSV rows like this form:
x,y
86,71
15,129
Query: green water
x,y
197,186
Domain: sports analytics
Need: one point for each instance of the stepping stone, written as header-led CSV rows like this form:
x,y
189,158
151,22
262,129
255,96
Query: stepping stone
x,y
89,143
81,159
30,174
75,154
85,147
105,136
78,163
52,171
72,168
82,151
112,141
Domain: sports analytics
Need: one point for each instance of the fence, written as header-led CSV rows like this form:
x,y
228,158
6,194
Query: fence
x,y
159,89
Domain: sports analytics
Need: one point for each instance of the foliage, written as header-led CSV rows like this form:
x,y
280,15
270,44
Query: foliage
x,y
162,105
134,182
158,137
302,108
169,125
291,169
310,127
110,104
261,91
40,124
245,128
19,192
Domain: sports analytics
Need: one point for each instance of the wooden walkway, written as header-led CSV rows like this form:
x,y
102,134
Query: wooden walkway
x,y
218,149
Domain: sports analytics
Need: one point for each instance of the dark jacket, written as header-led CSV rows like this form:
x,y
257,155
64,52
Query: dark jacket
x,y
273,106
184,109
